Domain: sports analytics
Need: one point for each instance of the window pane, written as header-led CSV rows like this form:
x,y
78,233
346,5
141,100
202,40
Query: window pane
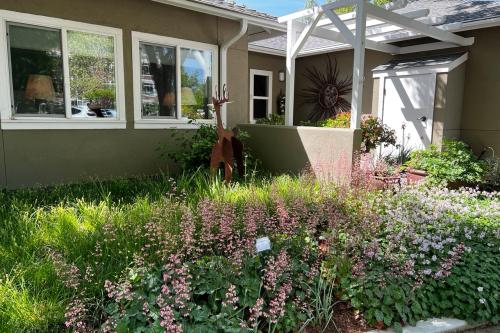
x,y
36,71
260,85
158,81
92,75
259,108
196,82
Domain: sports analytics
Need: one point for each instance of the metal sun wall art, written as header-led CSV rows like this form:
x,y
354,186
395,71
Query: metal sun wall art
x,y
227,149
327,91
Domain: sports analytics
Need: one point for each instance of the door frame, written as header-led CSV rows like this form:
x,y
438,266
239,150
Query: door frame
x,y
269,99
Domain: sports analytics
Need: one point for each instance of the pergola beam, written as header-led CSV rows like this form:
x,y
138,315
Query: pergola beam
x,y
417,26
344,30
338,37
291,38
299,43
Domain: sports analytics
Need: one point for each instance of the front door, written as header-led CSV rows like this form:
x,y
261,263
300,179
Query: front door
x,y
408,108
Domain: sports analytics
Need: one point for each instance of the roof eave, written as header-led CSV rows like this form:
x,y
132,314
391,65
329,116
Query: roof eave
x,y
199,7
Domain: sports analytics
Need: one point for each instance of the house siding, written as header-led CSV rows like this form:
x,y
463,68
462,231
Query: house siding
x,y
57,156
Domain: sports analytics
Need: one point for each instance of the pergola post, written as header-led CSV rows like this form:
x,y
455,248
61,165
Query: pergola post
x,y
358,76
290,73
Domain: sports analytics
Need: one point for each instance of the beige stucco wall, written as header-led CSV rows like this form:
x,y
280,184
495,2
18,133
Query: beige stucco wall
x,y
448,105
481,108
52,156
328,151
273,64
3,181
345,66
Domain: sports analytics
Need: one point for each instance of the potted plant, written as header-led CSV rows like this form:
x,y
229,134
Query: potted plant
x,y
454,164
100,99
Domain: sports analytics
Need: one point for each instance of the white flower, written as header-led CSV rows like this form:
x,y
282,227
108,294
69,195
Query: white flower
x,y
482,301
480,289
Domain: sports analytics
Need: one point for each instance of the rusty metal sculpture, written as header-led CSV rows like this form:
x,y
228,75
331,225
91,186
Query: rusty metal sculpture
x,y
327,92
227,149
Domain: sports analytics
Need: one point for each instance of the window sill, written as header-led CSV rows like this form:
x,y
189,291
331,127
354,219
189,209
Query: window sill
x,y
60,124
169,124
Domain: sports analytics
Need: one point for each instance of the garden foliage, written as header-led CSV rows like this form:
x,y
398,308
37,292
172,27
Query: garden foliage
x,y
156,254
455,162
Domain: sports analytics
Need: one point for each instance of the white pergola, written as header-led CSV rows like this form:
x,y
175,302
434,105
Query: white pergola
x,y
367,27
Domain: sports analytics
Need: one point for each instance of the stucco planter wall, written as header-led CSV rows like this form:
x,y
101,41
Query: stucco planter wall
x,y
328,152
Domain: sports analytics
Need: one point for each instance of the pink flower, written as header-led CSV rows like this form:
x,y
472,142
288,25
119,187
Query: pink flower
x,y
275,268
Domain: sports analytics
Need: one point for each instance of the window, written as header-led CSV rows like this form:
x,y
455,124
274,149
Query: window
x,y
62,74
173,81
261,83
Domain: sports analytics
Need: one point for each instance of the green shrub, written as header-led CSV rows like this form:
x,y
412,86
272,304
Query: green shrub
x,y
454,163
196,149
273,119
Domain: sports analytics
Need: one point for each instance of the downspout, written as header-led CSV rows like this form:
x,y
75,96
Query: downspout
x,y
223,62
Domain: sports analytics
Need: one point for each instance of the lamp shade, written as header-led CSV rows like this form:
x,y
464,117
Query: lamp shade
x,y
187,96
40,87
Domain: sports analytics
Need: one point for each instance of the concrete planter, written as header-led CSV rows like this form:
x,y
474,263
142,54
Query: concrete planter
x,y
327,152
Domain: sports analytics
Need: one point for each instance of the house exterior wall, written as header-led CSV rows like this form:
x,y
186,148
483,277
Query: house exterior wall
x,y
3,181
273,64
54,156
481,107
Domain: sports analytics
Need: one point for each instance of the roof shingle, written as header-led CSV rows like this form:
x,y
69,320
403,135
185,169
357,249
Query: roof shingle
x,y
234,7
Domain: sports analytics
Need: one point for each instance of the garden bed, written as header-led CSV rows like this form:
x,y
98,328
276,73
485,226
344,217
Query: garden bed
x,y
158,254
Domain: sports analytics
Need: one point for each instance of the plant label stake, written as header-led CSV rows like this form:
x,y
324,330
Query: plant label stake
x,y
262,244
227,149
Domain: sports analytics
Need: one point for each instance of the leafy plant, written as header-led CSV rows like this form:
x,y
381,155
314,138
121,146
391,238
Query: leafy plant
x,y
491,176
375,133
273,119
426,261
454,163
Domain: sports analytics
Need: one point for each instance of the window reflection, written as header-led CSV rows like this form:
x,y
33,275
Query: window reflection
x,y
36,71
158,81
196,82
92,75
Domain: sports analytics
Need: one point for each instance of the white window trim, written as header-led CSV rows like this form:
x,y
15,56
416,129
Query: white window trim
x,y
10,122
269,97
165,123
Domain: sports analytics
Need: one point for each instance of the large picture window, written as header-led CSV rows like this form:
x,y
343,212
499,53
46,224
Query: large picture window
x,y
173,81
63,74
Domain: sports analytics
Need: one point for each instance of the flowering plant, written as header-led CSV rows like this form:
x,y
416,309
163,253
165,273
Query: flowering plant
x,y
214,280
426,261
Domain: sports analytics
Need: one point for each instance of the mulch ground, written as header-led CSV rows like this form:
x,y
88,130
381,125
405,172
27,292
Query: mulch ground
x,y
345,320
